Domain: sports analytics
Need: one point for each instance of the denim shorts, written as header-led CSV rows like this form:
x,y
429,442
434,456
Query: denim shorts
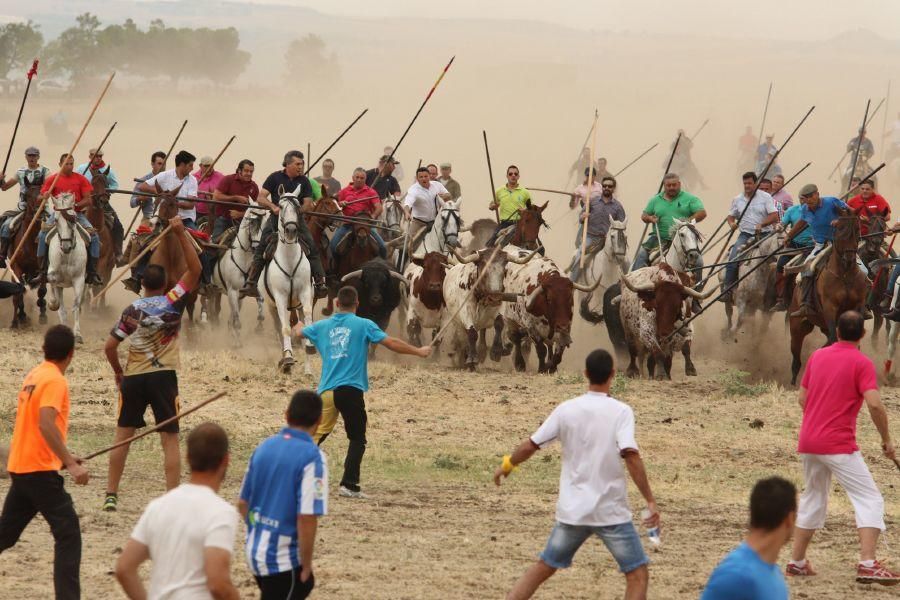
x,y
622,541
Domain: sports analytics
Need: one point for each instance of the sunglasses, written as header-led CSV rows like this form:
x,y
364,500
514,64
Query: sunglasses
x,y
512,174
608,187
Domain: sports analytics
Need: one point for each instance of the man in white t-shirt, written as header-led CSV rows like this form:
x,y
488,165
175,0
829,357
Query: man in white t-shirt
x,y
188,533
751,222
423,201
180,181
596,431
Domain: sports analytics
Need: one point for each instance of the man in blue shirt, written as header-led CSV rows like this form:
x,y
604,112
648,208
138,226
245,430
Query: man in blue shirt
x,y
803,240
285,491
750,571
819,215
343,343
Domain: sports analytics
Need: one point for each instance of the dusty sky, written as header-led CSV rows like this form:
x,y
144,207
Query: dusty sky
x,y
796,19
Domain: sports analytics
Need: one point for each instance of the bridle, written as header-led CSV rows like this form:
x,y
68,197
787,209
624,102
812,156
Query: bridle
x,y
689,255
289,229
67,213
448,215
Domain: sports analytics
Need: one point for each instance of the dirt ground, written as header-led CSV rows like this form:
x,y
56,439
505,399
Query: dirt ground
x,y
436,527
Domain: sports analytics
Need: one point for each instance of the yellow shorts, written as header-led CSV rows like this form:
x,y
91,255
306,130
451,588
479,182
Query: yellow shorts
x,y
329,416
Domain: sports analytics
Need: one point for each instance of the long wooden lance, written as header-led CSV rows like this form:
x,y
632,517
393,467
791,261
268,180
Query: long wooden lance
x,y
887,107
859,139
137,212
68,155
148,248
378,176
765,114
487,153
639,157
661,182
699,129
209,168
330,146
759,182
847,152
795,175
590,188
31,73
102,143
580,150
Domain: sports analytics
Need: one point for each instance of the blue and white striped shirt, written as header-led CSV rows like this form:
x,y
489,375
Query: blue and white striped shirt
x,y
287,476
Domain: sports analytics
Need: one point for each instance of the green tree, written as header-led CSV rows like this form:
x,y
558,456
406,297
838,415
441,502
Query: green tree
x,y
76,52
20,43
309,63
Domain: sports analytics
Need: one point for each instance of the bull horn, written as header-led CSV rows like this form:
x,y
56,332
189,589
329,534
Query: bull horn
x,y
637,289
587,288
533,296
395,242
465,229
700,295
351,275
465,259
524,259
398,277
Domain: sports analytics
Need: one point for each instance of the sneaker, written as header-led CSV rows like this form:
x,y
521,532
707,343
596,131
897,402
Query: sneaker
x,y
794,570
876,574
111,503
346,492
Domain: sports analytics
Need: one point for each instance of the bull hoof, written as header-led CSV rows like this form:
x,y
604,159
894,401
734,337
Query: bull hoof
x,y
42,319
520,366
552,371
470,367
690,370
632,373
496,354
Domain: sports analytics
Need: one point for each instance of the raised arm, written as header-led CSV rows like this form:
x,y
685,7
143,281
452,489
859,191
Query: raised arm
x,y
190,277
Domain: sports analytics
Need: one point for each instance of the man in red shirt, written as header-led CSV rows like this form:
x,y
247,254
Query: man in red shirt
x,y
238,187
837,380
355,199
82,190
867,204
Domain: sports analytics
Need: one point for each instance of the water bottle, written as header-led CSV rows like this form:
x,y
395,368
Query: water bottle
x,y
652,533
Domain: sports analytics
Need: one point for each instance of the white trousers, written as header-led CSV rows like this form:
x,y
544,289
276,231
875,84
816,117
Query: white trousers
x,y
851,472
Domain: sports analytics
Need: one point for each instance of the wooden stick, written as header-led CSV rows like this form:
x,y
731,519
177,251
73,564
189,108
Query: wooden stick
x,y
887,106
210,168
639,157
31,73
859,138
140,207
37,215
125,269
463,303
487,153
765,114
321,156
155,428
590,188
550,191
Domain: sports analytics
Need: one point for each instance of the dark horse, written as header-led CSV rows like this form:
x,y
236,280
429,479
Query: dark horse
x,y
527,228
871,251
840,286
26,265
96,214
168,253
357,248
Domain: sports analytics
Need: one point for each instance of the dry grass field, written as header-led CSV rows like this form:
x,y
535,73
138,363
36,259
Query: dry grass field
x,y
436,526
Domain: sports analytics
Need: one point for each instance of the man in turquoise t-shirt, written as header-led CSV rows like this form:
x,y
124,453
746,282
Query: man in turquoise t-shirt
x,y
750,571
661,211
343,343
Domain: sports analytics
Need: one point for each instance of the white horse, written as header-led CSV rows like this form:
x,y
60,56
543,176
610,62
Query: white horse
x,y
683,253
286,281
606,266
231,270
443,236
67,254
756,291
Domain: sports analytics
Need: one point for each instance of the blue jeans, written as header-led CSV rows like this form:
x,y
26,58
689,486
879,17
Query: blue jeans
x,y
575,273
642,259
731,271
222,223
622,541
346,228
895,274
5,233
93,247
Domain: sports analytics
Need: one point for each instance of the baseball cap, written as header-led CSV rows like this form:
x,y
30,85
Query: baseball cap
x,y
95,152
808,190
32,151
446,165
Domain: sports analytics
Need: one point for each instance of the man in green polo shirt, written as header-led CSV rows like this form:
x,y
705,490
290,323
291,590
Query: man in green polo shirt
x,y
662,209
509,199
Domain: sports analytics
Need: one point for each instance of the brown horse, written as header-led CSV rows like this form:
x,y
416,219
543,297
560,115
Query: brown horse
x,y
528,227
168,253
97,216
317,224
840,286
356,248
26,265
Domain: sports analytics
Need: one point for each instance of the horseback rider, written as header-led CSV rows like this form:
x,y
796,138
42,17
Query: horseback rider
x,y
157,164
782,198
604,208
207,182
509,200
171,183
289,180
82,190
387,184
32,175
820,215
96,166
424,200
752,221
662,209
354,199
868,203
803,240
866,147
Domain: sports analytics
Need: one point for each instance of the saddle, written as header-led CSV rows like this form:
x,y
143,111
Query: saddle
x,y
15,219
273,245
52,232
226,238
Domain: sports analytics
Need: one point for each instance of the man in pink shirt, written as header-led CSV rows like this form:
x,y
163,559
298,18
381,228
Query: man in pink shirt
x,y
836,382
360,200
206,187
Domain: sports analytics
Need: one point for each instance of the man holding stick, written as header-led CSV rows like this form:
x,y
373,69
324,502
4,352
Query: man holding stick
x,y
97,166
752,221
354,199
37,452
661,210
604,209
509,200
150,377
423,202
32,175
157,164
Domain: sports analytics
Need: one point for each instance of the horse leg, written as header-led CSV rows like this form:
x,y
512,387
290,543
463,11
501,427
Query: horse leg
x,y
471,351
234,317
61,311
18,311
667,366
729,311
876,328
310,349
78,292
482,350
651,366
284,330
435,345
260,316
41,304
799,331
893,330
689,369
541,350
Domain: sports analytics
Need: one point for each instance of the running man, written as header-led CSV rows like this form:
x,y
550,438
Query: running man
x,y
838,379
750,571
285,491
343,343
188,532
150,376
596,431
36,454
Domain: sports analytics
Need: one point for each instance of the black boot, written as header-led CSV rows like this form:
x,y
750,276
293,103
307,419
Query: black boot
x,y
780,287
250,288
91,277
806,293
4,251
41,277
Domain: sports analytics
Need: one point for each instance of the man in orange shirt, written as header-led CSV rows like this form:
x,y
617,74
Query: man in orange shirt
x,y
37,452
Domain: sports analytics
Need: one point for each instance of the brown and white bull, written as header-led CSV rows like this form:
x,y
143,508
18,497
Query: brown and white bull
x,y
654,302
426,295
474,305
542,312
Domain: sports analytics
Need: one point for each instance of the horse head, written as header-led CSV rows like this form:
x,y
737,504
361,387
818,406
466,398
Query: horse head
x,y
686,242
448,224
617,243
361,229
392,216
871,249
252,223
99,183
289,218
528,227
64,204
